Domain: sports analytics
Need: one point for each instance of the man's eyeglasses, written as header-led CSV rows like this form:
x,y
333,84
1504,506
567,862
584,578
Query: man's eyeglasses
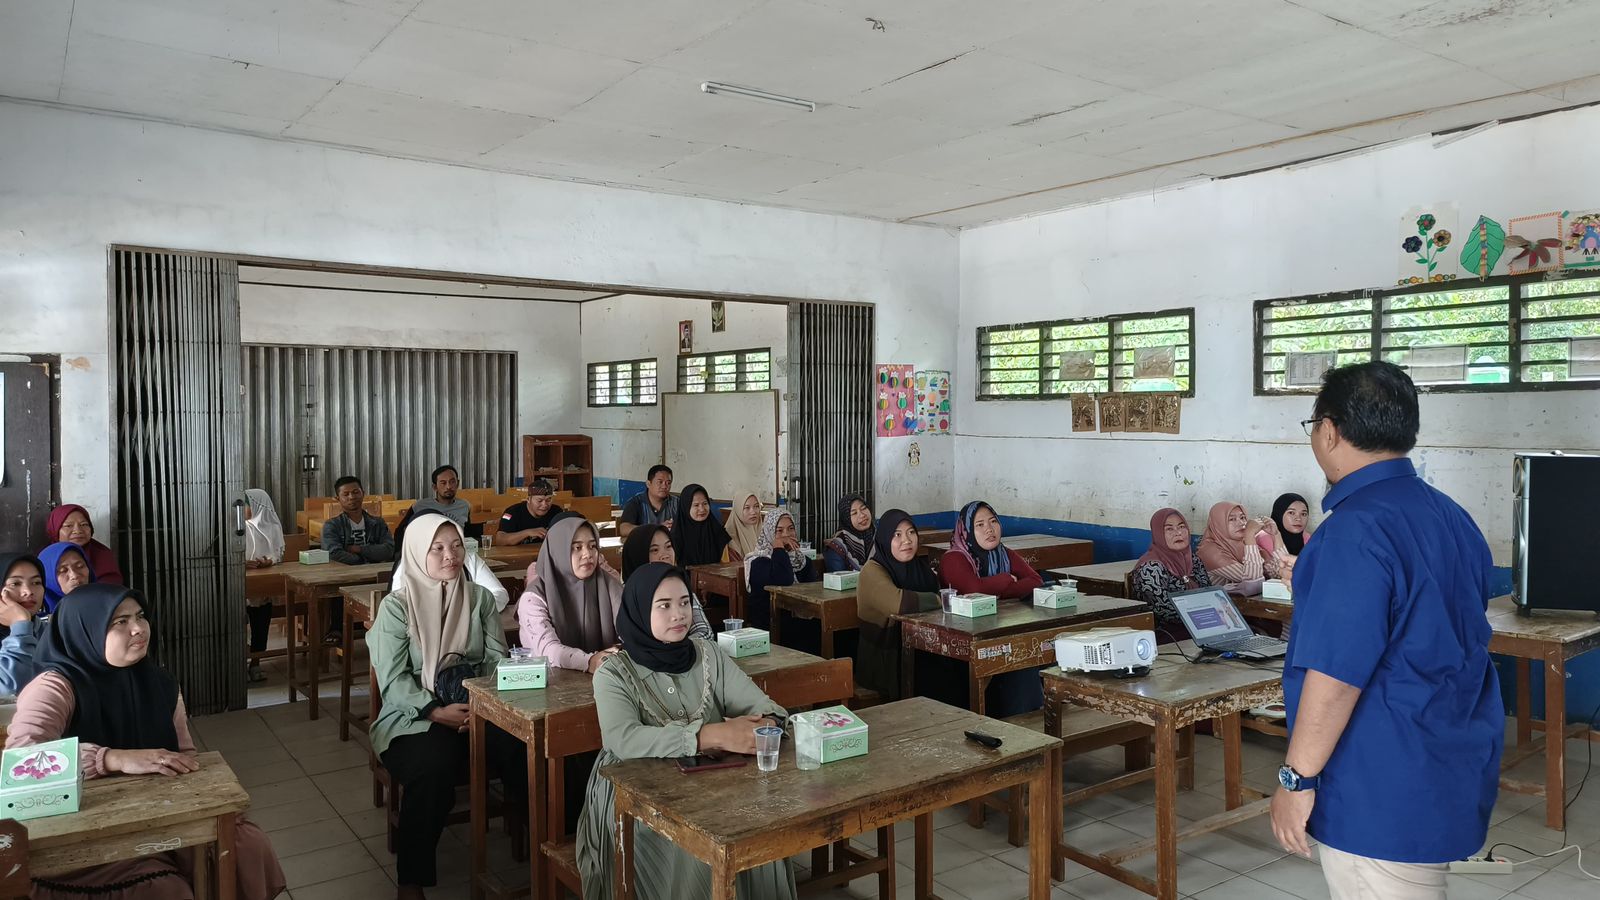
x,y
1310,425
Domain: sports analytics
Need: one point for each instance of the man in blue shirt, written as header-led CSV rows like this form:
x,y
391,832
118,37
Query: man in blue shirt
x,y
1395,718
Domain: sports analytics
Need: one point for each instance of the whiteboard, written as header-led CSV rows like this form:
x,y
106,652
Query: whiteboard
x,y
727,442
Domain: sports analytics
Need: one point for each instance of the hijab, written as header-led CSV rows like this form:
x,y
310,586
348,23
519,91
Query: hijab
x,y
9,561
856,544
100,558
744,535
438,613
1293,543
51,558
1217,549
121,707
581,610
636,549
697,543
1178,563
964,543
874,607
633,623
263,533
764,542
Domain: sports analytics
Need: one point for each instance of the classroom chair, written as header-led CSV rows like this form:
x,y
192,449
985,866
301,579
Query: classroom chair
x,y
372,505
595,509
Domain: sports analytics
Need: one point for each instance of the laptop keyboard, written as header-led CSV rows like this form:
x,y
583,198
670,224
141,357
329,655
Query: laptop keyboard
x,y
1253,644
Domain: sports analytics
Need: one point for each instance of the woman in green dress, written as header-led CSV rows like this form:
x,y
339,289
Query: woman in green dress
x,y
664,696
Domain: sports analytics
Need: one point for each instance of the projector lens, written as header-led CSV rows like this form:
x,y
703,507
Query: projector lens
x,y
1144,649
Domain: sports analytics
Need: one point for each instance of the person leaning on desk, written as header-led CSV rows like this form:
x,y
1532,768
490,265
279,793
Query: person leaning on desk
x,y
1395,717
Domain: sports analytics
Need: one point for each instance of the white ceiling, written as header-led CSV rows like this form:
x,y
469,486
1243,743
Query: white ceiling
x,y
955,113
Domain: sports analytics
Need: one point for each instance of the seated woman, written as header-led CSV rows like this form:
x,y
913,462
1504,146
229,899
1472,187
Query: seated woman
x,y
667,695
263,547
697,538
978,563
847,550
70,522
1229,548
1292,515
568,612
743,526
97,683
477,571
1170,565
66,568
776,561
21,597
894,581
653,543
431,632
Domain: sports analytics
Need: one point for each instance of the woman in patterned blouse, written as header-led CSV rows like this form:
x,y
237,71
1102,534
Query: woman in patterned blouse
x,y
1171,564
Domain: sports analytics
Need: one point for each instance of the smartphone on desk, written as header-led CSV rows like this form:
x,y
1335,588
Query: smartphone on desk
x,y
705,762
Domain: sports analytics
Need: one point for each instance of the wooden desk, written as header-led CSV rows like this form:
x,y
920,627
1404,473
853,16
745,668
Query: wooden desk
x,y
307,589
834,610
720,580
1042,551
360,606
738,819
123,818
560,720
1174,696
1108,579
1258,607
1551,637
1019,637
270,584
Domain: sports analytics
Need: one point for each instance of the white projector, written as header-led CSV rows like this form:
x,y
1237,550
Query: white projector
x,y
1106,650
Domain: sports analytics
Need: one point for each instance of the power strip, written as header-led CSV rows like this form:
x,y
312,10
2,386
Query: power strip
x,y
1478,865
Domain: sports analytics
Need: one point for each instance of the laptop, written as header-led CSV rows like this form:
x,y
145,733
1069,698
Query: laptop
x,y
1217,625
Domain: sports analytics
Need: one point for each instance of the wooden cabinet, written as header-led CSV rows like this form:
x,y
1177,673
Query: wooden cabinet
x,y
564,460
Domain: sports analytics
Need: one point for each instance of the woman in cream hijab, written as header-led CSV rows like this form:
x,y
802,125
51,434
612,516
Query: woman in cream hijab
x,y
744,526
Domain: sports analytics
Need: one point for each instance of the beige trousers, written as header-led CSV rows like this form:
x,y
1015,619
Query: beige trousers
x,y
1352,877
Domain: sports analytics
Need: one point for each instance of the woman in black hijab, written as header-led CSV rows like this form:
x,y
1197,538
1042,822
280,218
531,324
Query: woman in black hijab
x,y
1293,515
848,549
696,534
97,683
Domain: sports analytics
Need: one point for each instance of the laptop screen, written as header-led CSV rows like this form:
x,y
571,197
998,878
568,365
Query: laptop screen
x,y
1210,615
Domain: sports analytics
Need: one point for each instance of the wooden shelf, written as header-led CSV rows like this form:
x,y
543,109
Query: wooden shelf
x,y
547,456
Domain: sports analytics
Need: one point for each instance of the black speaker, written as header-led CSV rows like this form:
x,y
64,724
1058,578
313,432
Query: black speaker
x,y
1552,531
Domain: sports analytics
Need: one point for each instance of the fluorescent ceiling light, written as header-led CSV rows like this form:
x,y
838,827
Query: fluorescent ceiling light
x,y
1449,139
716,87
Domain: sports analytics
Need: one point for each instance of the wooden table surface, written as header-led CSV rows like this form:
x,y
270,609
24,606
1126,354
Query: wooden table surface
x,y
1108,579
1175,694
560,720
122,818
1042,551
723,580
919,762
834,611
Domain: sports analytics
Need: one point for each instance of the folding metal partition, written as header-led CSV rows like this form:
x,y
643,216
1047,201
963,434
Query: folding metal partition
x,y
179,487
387,416
830,411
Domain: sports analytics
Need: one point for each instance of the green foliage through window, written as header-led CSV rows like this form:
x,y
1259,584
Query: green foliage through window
x,y
735,370
1042,360
624,383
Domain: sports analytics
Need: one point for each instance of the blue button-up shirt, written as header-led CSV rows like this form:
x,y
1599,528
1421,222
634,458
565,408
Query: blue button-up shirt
x,y
1390,597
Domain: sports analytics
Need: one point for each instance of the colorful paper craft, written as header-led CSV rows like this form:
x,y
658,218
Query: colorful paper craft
x,y
1425,236
895,413
1534,243
1580,247
1482,248
933,402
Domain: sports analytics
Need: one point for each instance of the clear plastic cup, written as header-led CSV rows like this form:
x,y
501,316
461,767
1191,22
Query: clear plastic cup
x,y
769,738
806,743
947,597
732,624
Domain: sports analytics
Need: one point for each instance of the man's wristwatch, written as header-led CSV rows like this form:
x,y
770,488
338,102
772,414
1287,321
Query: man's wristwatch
x,y
1294,781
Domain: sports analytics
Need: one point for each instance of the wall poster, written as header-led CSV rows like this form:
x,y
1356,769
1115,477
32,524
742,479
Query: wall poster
x,y
933,402
895,413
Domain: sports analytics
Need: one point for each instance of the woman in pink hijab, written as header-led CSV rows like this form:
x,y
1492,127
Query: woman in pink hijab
x,y
70,522
1230,550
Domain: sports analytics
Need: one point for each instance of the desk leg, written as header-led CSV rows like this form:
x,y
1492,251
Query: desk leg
x,y
1524,702
539,824
227,860
1041,840
977,689
292,602
924,858
1186,753
1555,740
204,874
347,649
1056,797
724,878
314,662
776,625
1232,760
827,640
622,868
908,671
1166,811
478,800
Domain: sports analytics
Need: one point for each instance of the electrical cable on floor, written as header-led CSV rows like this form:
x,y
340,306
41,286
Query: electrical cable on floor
x,y
1594,718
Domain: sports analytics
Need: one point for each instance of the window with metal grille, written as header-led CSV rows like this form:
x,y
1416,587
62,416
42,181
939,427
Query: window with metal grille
x,y
630,382
1509,333
1045,360
735,370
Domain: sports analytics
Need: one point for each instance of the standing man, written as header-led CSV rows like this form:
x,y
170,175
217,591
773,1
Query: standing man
x,y
445,484
1395,717
526,523
353,537
654,506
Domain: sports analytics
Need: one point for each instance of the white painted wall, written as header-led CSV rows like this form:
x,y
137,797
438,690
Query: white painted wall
x,y
1219,247
73,183
627,440
542,333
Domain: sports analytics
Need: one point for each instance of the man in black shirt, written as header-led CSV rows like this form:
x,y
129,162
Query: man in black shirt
x,y
526,523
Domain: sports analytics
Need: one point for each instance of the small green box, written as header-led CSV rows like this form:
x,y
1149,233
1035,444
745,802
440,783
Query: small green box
x,y
1061,596
973,606
742,642
840,581
41,780
829,735
313,557
521,673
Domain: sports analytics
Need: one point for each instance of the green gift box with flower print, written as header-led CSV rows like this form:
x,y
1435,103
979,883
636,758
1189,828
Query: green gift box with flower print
x,y
41,780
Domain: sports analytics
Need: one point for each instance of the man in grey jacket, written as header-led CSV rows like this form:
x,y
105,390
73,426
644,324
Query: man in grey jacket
x,y
353,537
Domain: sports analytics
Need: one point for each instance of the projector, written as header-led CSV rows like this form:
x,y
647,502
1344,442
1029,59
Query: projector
x,y
1124,650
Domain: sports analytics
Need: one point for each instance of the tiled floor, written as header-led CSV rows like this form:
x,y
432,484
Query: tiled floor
x,y
312,794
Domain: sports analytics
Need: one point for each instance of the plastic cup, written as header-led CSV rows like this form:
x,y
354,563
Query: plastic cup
x,y
947,598
732,624
768,739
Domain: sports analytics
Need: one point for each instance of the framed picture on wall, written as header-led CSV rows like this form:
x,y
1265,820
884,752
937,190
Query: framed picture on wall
x,y
686,337
719,317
